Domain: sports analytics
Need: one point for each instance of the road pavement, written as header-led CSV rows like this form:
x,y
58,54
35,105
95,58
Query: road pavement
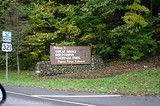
x,y
28,96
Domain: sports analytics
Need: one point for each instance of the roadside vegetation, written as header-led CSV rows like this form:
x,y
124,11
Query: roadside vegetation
x,y
125,29
138,82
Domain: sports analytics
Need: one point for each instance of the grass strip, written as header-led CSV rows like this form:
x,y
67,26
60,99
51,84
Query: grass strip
x,y
140,82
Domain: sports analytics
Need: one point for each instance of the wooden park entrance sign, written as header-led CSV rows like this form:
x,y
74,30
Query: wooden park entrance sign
x,y
62,55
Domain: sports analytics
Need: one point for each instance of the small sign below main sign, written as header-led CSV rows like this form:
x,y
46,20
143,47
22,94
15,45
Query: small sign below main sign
x,y
6,36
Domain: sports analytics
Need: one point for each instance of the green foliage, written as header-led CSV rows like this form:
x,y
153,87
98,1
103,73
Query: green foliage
x,y
137,46
137,7
133,43
66,31
3,8
134,17
51,25
40,43
41,16
40,31
93,23
136,41
65,43
128,29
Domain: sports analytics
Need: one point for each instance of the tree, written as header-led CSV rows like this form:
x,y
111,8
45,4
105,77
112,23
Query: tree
x,y
138,41
96,18
14,22
122,28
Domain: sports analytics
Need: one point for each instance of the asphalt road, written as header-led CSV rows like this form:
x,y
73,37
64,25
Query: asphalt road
x,y
26,96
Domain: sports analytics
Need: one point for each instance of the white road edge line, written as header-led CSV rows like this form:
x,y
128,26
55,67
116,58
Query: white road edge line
x,y
77,96
57,100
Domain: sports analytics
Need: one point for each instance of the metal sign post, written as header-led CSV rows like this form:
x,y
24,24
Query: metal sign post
x,y
6,66
6,47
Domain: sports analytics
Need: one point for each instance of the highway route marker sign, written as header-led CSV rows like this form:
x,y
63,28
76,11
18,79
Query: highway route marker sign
x,y
6,47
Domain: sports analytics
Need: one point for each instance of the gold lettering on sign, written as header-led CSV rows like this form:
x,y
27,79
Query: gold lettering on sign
x,y
79,61
70,61
76,57
61,61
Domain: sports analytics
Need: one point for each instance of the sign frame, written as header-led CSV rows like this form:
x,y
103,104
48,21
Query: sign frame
x,y
68,55
6,47
7,36
6,39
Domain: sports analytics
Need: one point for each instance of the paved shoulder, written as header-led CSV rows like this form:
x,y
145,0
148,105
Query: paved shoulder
x,y
66,98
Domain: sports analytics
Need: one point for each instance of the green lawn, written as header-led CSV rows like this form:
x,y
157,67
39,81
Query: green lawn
x,y
140,82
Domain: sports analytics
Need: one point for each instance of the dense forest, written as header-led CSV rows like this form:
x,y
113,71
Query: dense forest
x,y
125,29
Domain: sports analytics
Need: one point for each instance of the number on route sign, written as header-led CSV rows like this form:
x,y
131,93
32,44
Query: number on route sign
x,y
6,47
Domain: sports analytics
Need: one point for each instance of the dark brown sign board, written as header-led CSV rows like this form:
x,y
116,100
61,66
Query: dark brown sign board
x,y
61,55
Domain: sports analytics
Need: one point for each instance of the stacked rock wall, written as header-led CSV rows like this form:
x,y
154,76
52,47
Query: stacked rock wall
x,y
46,69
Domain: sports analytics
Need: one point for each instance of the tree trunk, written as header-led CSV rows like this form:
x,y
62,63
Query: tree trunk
x,y
17,53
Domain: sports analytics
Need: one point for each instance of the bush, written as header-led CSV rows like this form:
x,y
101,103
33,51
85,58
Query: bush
x,y
136,46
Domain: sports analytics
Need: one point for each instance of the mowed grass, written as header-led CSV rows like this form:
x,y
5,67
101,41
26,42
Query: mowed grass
x,y
140,82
